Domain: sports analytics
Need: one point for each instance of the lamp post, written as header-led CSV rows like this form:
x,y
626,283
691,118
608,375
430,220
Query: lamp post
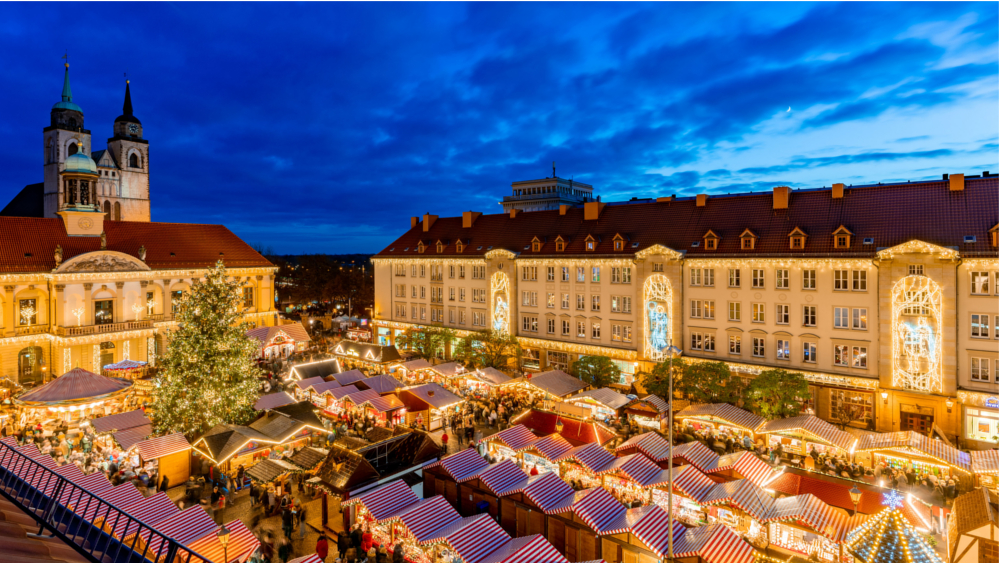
x,y
223,535
855,497
670,444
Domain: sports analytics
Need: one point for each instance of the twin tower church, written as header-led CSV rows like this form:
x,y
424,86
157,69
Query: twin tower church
x,y
114,180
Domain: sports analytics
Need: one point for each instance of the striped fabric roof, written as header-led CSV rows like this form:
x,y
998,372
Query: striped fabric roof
x,y
557,383
809,511
504,477
384,403
242,544
348,377
361,397
984,461
323,387
462,465
722,412
691,482
473,538
516,438
274,400
120,496
526,549
160,446
96,483
386,500
714,543
591,456
491,376
427,516
697,454
657,402
654,446
128,438
651,525
149,511
745,464
551,446
70,471
307,559
605,396
120,421
812,425
922,444
744,495
546,491
184,527
639,469
599,509
307,383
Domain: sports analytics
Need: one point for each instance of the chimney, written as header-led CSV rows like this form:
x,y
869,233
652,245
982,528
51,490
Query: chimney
x,y
700,200
664,199
562,209
514,211
956,182
780,197
838,191
429,221
592,210
414,221
468,218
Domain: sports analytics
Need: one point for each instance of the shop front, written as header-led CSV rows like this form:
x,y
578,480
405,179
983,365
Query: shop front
x,y
484,489
166,456
603,403
926,456
649,412
984,468
280,342
540,455
980,420
798,436
428,405
583,465
373,357
689,487
442,477
508,443
743,507
805,526
719,418
631,478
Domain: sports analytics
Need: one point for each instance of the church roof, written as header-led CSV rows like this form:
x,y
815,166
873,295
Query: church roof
x,y
67,95
80,162
28,202
28,244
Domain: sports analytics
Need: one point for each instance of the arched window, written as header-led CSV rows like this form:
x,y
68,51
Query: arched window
x,y
73,148
133,161
107,210
118,211
29,365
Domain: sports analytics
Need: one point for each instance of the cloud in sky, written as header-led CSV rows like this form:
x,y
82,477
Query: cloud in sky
x,y
323,127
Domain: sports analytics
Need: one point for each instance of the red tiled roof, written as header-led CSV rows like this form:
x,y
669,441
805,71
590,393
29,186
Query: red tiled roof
x,y
30,244
926,211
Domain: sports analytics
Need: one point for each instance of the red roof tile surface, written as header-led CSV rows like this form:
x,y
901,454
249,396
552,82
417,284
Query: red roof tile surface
x,y
926,211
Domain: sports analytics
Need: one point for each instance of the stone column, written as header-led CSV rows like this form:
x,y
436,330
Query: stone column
x,y
88,304
9,312
168,304
120,312
58,306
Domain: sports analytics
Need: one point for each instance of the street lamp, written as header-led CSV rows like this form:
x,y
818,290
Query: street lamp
x,y
223,535
855,497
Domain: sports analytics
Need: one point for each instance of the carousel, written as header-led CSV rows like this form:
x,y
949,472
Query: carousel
x,y
74,395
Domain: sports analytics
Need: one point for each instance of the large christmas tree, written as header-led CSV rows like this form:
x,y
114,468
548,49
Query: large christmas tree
x,y
207,375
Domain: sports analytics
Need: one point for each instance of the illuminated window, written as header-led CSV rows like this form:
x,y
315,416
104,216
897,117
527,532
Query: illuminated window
x,y
781,314
626,333
709,343
734,344
757,278
758,347
550,273
809,315
565,301
734,311
859,357
709,309
980,369
840,280
657,267
595,329
980,283
581,329
616,333
916,269
595,303
565,273
758,312
781,279
782,350
550,300
809,352
859,319
808,279
841,355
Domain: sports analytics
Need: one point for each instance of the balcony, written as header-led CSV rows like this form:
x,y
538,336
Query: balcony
x,y
160,317
29,330
70,331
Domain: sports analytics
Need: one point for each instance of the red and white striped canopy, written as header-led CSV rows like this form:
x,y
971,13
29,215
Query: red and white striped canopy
x,y
639,469
242,544
184,527
691,482
546,491
120,496
744,464
463,465
69,471
473,538
906,440
722,413
527,549
359,398
386,500
504,477
985,461
744,495
150,511
155,448
516,438
810,512
600,510
96,483
550,447
650,443
131,436
307,559
591,456
697,454
713,544
426,516
384,403
651,525
810,424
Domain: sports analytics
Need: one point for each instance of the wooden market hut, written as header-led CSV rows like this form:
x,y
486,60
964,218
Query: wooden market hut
x,y
631,479
172,454
417,523
272,471
489,485
524,511
282,428
690,486
443,476
721,417
473,538
650,411
354,400
799,435
576,526
349,377
344,470
696,454
383,384
127,424
603,403
429,403
650,444
742,465
527,549
557,385
575,430
273,400
487,377
804,525
368,355
280,341
741,505
984,468
385,408
585,464
926,455
418,370
448,370
509,442
377,505
973,531
542,453
309,458
714,543
641,535
312,370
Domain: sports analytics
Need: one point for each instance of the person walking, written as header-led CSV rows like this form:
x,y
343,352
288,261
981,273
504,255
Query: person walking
x,y
285,550
444,442
302,521
322,547
343,543
286,522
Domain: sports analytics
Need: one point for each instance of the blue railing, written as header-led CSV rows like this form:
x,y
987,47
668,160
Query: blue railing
x,y
58,505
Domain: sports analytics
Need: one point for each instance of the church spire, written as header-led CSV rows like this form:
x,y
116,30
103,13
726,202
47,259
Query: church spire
x,y
67,93
127,106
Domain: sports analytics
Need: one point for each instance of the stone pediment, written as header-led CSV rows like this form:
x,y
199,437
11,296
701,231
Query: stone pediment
x,y
102,261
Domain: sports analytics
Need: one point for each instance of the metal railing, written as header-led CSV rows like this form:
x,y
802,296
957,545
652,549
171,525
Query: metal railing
x,y
58,505
103,328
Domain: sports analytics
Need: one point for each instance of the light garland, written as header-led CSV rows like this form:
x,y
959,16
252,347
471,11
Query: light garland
x,y
136,308
815,377
432,260
887,537
67,359
125,350
500,302
806,263
575,262
97,358
979,263
977,399
917,351
151,351
657,316
658,249
78,313
916,247
585,349
500,253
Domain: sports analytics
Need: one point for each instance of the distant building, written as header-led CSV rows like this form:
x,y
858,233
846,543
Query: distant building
x,y
547,193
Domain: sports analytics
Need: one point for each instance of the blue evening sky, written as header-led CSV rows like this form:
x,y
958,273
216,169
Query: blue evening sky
x,y
323,127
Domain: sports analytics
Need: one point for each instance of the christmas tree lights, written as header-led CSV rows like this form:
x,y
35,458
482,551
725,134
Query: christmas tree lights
x,y
887,537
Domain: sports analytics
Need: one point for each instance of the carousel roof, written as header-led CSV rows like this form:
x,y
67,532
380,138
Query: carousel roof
x,y
265,334
75,385
126,365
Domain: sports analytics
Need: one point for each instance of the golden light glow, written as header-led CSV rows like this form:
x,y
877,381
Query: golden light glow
x,y
657,317
815,377
658,249
808,263
917,351
916,247
500,302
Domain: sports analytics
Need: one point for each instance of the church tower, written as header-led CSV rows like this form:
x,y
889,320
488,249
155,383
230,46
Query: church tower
x,y
125,196
64,137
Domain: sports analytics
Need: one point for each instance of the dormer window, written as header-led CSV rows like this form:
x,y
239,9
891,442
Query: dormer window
x,y
711,240
421,247
748,240
993,235
842,237
536,245
440,247
619,243
560,244
459,247
797,239
590,243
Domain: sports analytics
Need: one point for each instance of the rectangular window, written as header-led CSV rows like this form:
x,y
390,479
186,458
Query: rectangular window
x,y
758,347
565,273
859,319
626,304
451,294
980,369
626,333
980,283
551,326
734,311
595,330
696,277
529,273
104,311
565,301
809,315
734,277
916,269
657,267
550,300
580,275
400,270
860,280
595,274
808,279
400,290
616,274
809,352
461,272
616,333
451,316
626,275
550,273
859,357
980,326
615,304
413,291
451,271
708,275
840,280
529,324
709,309
841,355
696,341
423,292
781,279
248,297
595,302
413,271
565,328
783,350
709,342
758,312
696,308
581,303
781,312
461,294
734,345
423,271
423,313
758,278
461,316
996,327
581,329
840,317
413,311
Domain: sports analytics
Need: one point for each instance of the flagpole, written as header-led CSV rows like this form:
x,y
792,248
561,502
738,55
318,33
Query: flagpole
x,y
670,446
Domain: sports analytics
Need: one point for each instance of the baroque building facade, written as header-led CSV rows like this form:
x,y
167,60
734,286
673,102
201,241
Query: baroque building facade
x,y
88,280
884,296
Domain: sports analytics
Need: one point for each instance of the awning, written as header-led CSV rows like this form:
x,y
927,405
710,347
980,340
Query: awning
x,y
242,544
307,559
273,400
591,456
516,438
427,516
526,549
985,462
120,496
472,538
149,511
503,478
447,370
120,421
557,383
639,469
809,511
906,440
550,447
546,490
361,397
128,438
813,426
184,527
95,483
651,525
69,472
383,404
650,443
714,543
744,495
268,470
462,465
386,500
599,509
746,464
697,454
724,413
691,482
155,448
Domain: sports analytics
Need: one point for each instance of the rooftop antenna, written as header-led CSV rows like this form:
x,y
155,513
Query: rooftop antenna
x,y
66,56
553,169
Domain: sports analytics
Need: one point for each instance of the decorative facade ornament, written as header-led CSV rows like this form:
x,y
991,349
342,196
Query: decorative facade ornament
x,y
119,285
8,288
142,253
657,313
103,262
88,286
500,302
104,240
917,354
59,255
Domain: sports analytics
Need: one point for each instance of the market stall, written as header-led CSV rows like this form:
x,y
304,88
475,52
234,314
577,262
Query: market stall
x,y
540,455
603,403
448,371
526,510
428,404
371,356
239,547
354,377
719,418
712,544
650,411
353,401
443,476
583,465
576,525
507,443
742,465
126,369
650,444
106,426
76,394
805,526
168,456
527,549
690,486
383,384
631,479
329,396
485,378
556,385
468,539
575,430
696,454
487,486
984,468
273,400
273,471
416,525
231,445
414,371
800,435
742,506
642,535
280,341
313,370
387,410
905,449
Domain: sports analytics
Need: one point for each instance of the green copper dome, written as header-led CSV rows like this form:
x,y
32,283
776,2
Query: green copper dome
x,y
67,95
80,164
